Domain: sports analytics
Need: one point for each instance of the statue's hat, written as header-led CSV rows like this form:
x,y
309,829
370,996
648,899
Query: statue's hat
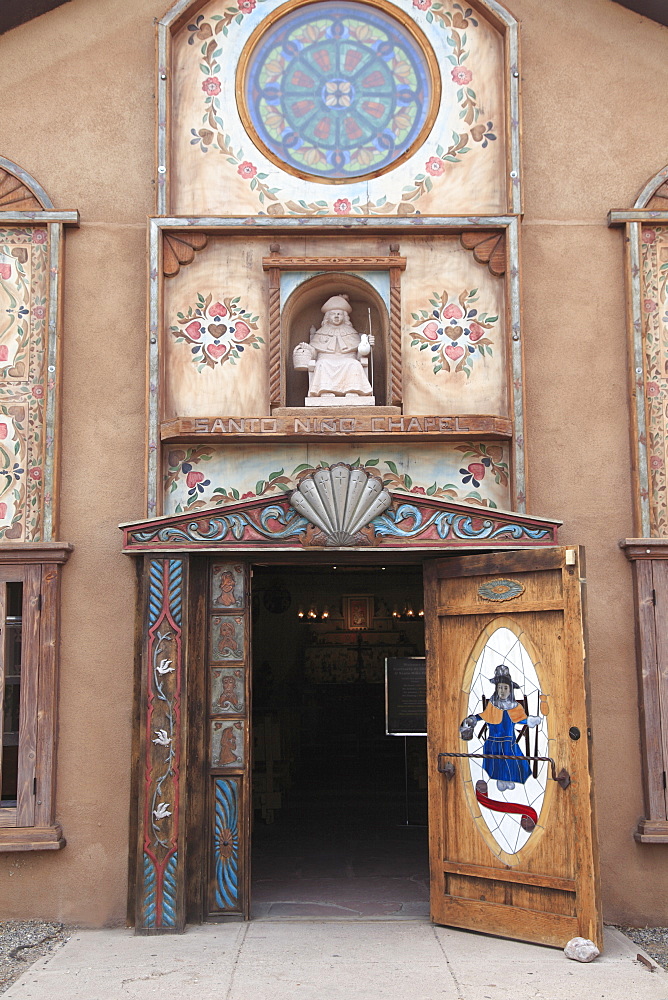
x,y
502,674
337,302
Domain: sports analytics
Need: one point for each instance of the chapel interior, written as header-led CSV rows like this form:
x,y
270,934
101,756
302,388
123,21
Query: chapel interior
x,y
339,807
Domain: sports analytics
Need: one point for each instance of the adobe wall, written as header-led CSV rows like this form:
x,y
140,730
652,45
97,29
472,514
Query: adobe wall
x,y
85,130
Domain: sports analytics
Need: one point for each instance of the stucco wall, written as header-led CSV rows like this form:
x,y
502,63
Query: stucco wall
x,y
81,120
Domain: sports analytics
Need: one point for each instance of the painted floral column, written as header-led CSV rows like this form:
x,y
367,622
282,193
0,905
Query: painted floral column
x,y
160,899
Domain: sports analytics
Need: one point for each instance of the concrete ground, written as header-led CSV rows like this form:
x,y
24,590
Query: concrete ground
x,y
332,960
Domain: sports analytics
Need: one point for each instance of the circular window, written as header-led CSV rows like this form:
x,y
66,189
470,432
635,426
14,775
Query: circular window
x,y
336,92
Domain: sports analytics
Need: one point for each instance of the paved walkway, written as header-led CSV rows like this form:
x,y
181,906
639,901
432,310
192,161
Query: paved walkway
x,y
331,960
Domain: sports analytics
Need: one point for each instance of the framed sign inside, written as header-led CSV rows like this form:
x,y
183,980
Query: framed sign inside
x,y
358,611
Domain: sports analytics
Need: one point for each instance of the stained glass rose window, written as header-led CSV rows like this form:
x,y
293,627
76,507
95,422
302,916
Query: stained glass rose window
x,y
338,91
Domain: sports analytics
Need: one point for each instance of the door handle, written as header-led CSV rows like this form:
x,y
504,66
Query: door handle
x,y
563,779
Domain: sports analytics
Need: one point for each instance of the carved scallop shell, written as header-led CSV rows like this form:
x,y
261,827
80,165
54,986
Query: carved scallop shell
x,y
340,501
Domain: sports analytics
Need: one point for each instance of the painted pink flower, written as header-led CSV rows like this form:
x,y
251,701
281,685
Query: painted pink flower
x,y
454,351
211,86
461,75
431,331
422,4
434,166
245,496
476,332
648,236
453,311
194,330
241,330
35,473
652,389
477,470
3,431
5,271
4,352
3,510
247,170
38,391
39,312
342,206
39,235
419,489
246,6
655,462
217,309
649,305
193,478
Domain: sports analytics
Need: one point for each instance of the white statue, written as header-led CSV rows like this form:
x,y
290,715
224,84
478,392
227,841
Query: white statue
x,y
337,359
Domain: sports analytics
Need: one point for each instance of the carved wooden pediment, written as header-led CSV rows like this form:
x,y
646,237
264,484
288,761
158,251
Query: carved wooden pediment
x,y
411,521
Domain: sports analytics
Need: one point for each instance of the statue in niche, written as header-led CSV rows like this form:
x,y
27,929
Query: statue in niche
x,y
337,359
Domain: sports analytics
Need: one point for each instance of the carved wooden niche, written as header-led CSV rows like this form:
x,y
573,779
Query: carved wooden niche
x,y
291,319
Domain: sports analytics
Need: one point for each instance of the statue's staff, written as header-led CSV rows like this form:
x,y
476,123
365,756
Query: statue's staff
x,y
370,351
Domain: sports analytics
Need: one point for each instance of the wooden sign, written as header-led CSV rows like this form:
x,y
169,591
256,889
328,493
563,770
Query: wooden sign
x,y
405,696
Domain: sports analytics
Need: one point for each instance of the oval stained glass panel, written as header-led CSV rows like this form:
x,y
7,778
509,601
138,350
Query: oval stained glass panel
x,y
338,91
507,719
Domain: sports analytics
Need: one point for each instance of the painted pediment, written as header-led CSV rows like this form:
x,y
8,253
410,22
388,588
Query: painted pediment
x,y
409,521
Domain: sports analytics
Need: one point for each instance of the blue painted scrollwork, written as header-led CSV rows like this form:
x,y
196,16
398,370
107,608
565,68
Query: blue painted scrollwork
x,y
451,524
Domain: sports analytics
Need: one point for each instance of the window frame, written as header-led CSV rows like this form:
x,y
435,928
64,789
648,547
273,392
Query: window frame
x,y
31,824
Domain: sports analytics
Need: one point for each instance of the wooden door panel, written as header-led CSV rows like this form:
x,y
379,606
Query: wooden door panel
x,y
512,851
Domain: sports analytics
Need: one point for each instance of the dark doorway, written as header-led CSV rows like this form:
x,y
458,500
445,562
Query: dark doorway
x,y
339,807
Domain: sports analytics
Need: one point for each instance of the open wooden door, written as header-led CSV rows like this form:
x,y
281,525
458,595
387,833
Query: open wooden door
x,y
512,828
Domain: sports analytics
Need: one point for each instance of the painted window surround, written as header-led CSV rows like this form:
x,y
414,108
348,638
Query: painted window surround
x,y
648,552
37,563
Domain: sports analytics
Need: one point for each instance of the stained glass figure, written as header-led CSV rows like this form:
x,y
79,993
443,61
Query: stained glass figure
x,y
338,91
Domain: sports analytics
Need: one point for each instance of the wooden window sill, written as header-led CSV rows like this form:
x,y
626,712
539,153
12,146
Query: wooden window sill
x,y
652,831
31,838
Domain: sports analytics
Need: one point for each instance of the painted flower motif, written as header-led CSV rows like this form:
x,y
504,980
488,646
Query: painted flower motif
x,y
419,489
434,166
652,389
422,4
211,86
245,496
655,462
39,312
461,75
648,236
650,305
453,311
431,331
246,6
193,478
338,94
246,170
342,206
475,472
217,310
161,811
3,431
39,235
5,271
36,473
475,332
3,511
241,330
4,352
194,330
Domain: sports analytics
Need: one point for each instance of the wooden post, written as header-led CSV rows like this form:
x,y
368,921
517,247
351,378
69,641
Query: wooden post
x,y
160,900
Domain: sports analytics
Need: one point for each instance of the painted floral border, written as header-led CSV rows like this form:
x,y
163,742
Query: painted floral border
x,y
22,398
654,383
212,133
485,459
